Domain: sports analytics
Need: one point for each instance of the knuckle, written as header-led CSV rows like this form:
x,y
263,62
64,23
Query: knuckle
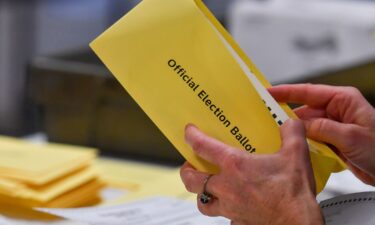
x,y
320,125
351,132
351,137
297,143
346,94
352,91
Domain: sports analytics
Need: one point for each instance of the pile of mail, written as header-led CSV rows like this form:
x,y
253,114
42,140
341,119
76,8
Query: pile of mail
x,y
46,175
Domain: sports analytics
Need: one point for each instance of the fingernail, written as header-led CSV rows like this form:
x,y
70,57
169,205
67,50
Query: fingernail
x,y
187,137
190,125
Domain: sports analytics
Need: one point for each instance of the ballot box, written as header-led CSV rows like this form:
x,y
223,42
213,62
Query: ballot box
x,y
78,101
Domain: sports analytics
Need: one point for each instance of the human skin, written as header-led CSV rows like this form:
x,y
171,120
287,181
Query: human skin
x,y
274,189
340,117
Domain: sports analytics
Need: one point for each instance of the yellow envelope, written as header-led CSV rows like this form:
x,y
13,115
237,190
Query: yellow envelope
x,y
169,185
84,195
128,175
181,66
39,164
21,194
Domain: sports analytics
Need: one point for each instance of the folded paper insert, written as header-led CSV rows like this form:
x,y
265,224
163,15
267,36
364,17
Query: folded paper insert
x,y
181,66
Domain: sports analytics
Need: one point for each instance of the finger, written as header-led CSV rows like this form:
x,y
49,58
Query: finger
x,y
210,209
192,179
308,94
342,136
306,113
206,147
293,137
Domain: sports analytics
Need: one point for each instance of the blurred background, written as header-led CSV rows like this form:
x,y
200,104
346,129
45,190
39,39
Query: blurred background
x,y
51,82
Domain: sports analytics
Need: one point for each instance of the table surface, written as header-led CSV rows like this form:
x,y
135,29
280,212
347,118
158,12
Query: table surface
x,y
338,184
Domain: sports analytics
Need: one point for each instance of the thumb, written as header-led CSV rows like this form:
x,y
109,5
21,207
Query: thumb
x,y
294,141
295,147
293,137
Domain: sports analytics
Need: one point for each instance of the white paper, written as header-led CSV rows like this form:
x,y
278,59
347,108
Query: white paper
x,y
151,211
4,221
352,209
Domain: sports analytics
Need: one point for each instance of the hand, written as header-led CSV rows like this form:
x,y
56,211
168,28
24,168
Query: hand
x,y
339,116
256,189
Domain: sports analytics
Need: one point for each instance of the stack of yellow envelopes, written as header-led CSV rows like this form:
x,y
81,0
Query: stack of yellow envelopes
x,y
46,175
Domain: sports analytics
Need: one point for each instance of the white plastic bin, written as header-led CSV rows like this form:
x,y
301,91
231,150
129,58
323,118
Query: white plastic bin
x,y
293,39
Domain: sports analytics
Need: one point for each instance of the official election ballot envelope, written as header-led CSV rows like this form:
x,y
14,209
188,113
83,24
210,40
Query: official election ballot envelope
x,y
181,66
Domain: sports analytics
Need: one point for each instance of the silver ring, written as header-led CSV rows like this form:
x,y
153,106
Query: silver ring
x,y
205,197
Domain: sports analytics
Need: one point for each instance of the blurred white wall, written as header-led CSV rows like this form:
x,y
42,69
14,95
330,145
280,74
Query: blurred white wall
x,y
65,25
